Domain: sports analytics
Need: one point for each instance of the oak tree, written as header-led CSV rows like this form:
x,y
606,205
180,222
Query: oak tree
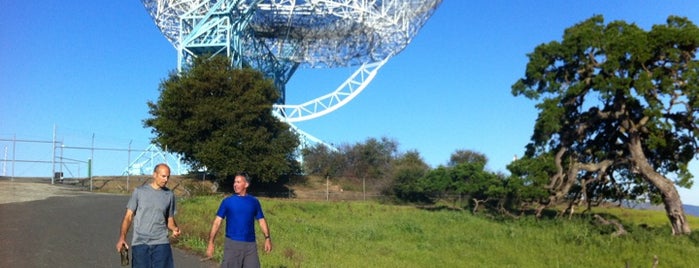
x,y
618,109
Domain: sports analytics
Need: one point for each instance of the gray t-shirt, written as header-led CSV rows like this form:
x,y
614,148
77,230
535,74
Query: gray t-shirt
x,y
152,208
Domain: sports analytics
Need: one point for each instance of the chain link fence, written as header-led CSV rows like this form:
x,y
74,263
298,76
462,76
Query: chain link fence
x,y
55,160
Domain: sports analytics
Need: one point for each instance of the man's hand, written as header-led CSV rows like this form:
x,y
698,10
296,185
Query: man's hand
x,y
210,250
176,232
268,245
120,244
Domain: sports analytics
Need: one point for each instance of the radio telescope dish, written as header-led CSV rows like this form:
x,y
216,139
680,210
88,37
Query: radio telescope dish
x,y
277,37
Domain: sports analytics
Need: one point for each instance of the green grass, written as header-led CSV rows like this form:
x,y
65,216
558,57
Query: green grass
x,y
369,234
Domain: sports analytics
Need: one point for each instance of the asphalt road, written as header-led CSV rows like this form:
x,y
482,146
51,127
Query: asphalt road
x,y
68,231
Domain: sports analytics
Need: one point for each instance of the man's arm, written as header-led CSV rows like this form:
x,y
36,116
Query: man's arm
x,y
215,225
172,225
125,224
265,231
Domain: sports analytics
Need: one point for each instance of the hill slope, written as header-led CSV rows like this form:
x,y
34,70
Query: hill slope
x,y
691,210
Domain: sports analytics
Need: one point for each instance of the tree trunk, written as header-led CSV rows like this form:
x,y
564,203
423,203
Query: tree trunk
x,y
561,182
478,202
671,198
618,226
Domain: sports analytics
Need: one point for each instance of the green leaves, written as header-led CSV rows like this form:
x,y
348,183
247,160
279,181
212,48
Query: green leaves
x,y
605,89
220,118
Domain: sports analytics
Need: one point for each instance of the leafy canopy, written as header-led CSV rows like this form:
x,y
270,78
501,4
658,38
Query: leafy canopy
x,y
618,110
220,118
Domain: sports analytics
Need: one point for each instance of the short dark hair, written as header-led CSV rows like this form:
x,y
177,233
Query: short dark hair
x,y
244,175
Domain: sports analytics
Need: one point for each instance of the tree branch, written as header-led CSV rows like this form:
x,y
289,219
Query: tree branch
x,y
619,228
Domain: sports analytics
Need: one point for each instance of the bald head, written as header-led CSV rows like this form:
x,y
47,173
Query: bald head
x,y
161,174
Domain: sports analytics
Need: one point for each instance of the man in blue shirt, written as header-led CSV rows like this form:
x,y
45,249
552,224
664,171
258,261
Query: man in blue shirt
x,y
240,211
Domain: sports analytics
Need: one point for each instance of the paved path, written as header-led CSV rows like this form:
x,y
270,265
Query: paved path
x,y
73,229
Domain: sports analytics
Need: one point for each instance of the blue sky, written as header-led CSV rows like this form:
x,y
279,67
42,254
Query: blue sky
x,y
87,68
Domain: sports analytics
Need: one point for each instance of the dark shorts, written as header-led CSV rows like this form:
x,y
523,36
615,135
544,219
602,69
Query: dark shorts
x,y
240,254
152,256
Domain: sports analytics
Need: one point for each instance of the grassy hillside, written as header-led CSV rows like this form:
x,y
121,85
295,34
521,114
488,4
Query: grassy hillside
x,y
369,234
319,233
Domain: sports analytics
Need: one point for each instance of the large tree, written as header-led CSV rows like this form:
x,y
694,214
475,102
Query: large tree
x,y
322,160
618,110
220,117
370,160
466,156
406,171
464,177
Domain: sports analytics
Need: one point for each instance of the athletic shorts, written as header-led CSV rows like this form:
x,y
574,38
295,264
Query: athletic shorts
x,y
240,254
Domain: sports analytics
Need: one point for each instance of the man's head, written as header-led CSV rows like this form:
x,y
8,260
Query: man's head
x,y
241,183
161,174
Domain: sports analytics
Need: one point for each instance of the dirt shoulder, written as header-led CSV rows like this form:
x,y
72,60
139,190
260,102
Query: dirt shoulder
x,y
31,189
23,191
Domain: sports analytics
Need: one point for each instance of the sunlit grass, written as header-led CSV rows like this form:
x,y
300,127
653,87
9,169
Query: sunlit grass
x,y
369,234
656,218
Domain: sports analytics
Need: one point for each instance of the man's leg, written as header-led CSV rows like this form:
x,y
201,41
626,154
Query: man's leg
x,y
162,256
233,254
140,256
251,259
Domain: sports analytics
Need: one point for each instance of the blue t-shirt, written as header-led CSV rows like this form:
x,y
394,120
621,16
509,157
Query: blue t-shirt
x,y
240,213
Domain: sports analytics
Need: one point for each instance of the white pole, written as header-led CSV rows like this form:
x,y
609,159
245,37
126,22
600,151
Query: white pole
x,y
14,146
128,167
327,188
364,187
53,157
60,167
4,163
92,159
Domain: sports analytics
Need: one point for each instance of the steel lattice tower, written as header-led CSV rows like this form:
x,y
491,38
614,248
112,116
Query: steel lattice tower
x,y
277,37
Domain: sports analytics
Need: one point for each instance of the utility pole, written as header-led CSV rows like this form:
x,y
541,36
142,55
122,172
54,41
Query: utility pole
x,y
128,167
92,156
53,157
4,162
327,187
14,146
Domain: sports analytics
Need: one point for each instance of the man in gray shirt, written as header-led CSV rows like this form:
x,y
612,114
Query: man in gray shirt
x,y
152,210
